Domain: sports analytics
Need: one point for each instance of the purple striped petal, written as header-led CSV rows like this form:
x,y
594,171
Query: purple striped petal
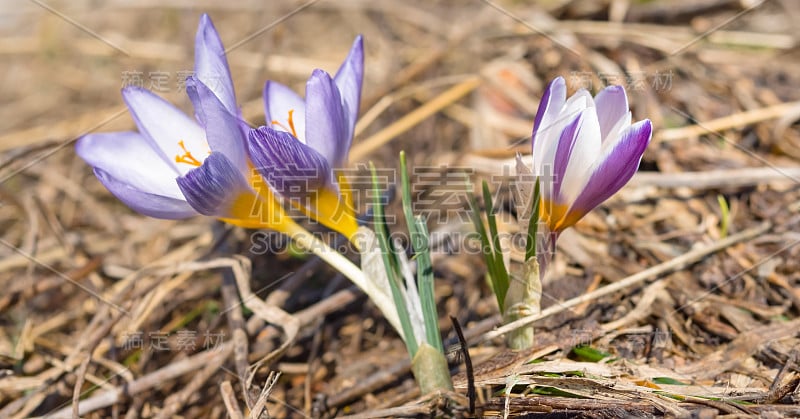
x,y
584,154
145,203
211,65
615,168
292,169
223,129
212,188
612,105
547,138
165,126
326,128
553,177
279,100
349,79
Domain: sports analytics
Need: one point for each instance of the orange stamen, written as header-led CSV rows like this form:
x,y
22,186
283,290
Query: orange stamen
x,y
291,123
187,156
290,128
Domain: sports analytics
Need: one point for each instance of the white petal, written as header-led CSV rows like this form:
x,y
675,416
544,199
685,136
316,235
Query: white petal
x,y
166,126
129,158
585,151
616,131
553,99
279,100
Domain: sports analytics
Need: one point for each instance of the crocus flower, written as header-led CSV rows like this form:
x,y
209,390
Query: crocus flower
x,y
305,143
584,150
175,166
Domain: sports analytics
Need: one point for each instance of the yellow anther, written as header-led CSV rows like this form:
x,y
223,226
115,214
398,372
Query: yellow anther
x,y
290,128
187,156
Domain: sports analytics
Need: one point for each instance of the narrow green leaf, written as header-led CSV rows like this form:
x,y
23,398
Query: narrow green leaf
x,y
486,248
425,286
587,353
501,282
667,380
725,218
552,391
419,242
388,255
533,223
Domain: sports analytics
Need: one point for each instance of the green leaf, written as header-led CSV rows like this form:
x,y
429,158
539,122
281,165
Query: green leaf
x,y
500,279
387,251
420,243
725,218
667,380
587,353
533,223
486,248
552,391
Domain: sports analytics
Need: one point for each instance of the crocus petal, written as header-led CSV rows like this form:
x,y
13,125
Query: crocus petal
x,y
612,106
165,126
553,177
584,153
615,168
553,99
349,79
129,158
279,101
223,129
614,134
293,169
145,203
213,188
576,103
211,65
326,130
549,137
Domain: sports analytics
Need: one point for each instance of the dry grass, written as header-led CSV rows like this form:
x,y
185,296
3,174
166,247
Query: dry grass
x,y
697,319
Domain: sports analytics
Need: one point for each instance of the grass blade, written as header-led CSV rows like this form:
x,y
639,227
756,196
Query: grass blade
x,y
501,281
533,223
390,265
419,242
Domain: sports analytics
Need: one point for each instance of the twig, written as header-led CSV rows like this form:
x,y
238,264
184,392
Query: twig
x,y
76,392
229,399
736,120
712,179
236,324
410,410
176,401
261,402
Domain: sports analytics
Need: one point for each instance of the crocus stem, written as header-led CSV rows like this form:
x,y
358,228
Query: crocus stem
x,y
430,370
308,241
523,299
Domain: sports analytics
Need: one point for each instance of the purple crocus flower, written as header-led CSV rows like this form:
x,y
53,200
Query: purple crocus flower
x,y
584,150
175,166
307,141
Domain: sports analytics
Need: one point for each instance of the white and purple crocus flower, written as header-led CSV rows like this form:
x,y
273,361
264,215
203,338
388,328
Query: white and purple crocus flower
x,y
305,143
584,150
177,167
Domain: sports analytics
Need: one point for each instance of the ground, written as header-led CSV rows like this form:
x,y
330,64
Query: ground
x,y
687,283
